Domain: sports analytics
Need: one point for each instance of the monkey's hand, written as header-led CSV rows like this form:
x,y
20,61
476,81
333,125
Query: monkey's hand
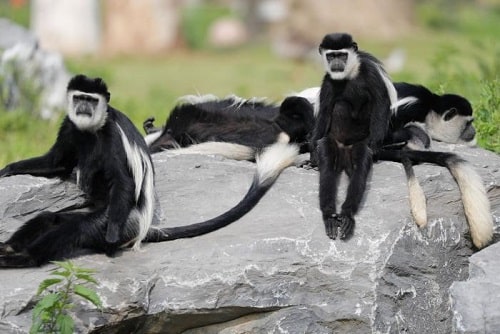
x,y
148,125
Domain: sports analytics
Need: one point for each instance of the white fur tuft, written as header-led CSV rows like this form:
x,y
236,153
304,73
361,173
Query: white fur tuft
x,y
142,172
417,201
391,90
274,159
404,102
150,138
195,99
227,150
237,101
476,204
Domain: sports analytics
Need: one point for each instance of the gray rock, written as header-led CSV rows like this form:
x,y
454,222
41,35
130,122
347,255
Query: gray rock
x,y
275,271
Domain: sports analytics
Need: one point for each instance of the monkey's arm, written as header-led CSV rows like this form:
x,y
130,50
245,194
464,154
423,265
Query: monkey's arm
x,y
322,123
59,161
380,115
121,199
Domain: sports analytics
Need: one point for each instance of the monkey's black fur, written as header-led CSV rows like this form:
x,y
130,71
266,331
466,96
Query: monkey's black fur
x,y
253,124
119,202
447,107
353,119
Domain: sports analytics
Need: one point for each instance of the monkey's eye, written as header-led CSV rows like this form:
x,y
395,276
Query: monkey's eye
x,y
340,55
84,98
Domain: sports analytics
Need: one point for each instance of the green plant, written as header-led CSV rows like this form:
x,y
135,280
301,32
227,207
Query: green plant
x,y
51,313
487,115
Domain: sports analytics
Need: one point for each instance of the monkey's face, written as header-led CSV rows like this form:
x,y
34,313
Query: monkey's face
x,y
87,111
340,64
451,127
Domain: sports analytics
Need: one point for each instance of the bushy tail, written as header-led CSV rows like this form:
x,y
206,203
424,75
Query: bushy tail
x,y
417,199
270,163
475,201
227,150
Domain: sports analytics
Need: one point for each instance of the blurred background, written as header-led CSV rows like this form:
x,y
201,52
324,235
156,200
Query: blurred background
x,y
151,52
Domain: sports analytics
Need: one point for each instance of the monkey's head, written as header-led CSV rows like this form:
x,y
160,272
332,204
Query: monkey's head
x,y
297,117
87,102
451,121
340,56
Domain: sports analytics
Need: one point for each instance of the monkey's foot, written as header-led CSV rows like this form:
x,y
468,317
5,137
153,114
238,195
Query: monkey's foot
x,y
307,164
331,226
6,249
339,225
17,260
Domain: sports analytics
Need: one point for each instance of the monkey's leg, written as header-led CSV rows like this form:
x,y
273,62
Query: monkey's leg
x,y
28,232
13,253
68,235
361,166
328,177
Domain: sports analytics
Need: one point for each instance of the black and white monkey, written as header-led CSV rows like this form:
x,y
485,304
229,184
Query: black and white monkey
x,y
352,121
356,100
113,168
447,118
210,125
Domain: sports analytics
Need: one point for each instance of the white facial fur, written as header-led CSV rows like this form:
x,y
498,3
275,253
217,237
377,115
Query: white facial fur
x,y
92,122
351,68
446,131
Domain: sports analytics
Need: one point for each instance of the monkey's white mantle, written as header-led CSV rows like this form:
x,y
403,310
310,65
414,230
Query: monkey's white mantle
x,y
275,271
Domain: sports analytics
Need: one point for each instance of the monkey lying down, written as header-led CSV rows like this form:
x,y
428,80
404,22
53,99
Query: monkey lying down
x,y
209,125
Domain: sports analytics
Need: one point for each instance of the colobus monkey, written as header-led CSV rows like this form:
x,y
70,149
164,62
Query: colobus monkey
x,y
355,102
249,123
353,118
113,168
447,118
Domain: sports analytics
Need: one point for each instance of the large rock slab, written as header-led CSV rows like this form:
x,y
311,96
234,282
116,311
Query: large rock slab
x,y
273,271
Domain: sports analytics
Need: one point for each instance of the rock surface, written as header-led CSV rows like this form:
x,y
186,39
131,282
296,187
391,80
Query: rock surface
x,y
275,271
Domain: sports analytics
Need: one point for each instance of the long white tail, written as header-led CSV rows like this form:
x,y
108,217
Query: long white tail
x,y
475,200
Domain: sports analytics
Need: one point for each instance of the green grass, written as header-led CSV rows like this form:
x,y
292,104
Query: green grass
x,y
463,59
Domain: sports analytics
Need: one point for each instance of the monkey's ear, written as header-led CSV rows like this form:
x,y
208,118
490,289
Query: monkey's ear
x,y
355,46
320,50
